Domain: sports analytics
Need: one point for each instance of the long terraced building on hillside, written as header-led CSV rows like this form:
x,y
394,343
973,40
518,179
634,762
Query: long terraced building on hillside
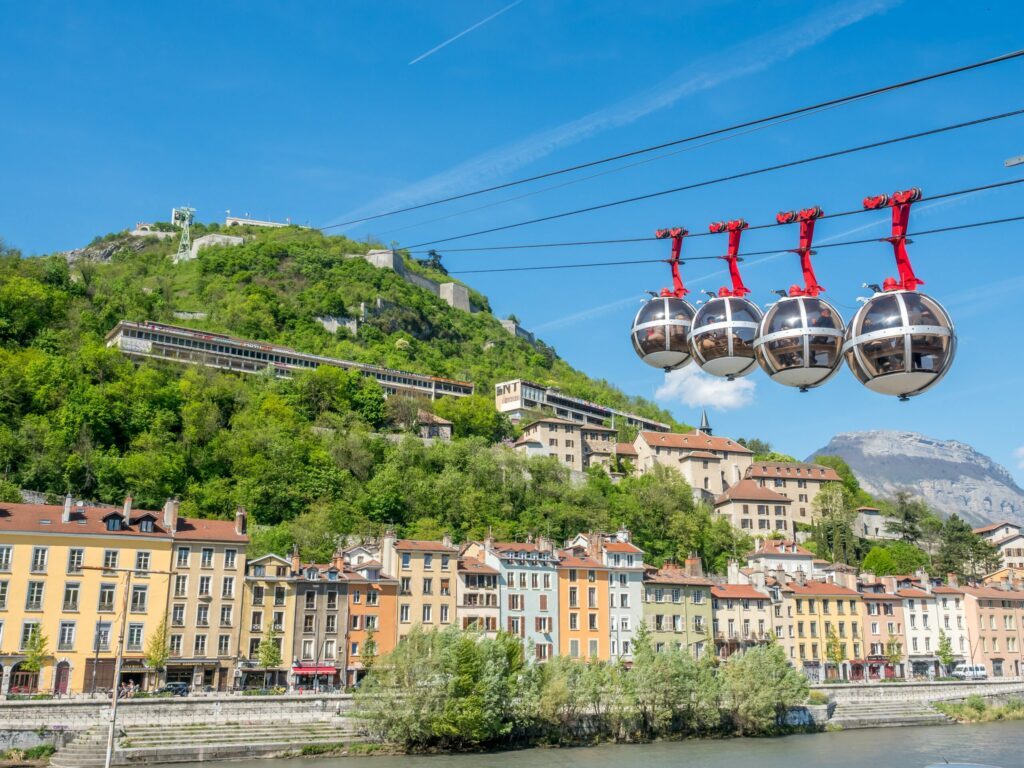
x,y
214,350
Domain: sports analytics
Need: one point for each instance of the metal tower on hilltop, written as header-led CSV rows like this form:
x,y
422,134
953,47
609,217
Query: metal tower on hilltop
x,y
182,217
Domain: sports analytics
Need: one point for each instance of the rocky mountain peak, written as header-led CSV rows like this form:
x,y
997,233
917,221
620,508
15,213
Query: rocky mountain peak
x,y
949,475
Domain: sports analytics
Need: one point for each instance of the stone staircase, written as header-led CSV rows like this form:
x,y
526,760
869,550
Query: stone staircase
x,y
881,714
176,743
87,750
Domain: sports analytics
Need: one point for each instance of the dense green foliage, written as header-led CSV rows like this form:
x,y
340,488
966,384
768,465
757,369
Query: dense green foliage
x,y
310,458
457,690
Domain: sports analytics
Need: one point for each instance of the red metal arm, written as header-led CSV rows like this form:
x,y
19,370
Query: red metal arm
x,y
735,229
806,217
677,234
900,203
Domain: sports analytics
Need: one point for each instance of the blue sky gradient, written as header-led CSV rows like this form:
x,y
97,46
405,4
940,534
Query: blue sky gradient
x,y
116,112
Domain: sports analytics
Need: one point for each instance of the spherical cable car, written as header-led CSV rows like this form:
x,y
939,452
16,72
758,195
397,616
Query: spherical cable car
x,y
661,329
900,342
800,339
724,328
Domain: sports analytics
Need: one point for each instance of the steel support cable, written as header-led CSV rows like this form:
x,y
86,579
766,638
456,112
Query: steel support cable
x,y
862,241
732,177
707,134
627,240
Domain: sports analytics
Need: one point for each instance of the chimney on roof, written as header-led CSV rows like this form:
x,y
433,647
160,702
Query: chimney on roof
x,y
758,544
446,540
544,544
338,560
296,560
128,507
623,536
693,565
801,577
489,541
241,520
65,516
387,551
951,579
733,572
171,516
594,544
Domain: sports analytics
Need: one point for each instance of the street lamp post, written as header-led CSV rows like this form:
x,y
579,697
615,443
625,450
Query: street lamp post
x,y
119,658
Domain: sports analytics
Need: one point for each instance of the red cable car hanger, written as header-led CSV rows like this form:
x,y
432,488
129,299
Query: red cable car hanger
x,y
677,234
806,217
900,203
735,229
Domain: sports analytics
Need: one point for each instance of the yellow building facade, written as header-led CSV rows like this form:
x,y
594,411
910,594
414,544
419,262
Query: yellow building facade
x,y
63,578
583,631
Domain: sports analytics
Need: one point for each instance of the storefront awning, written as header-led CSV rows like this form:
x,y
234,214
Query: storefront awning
x,y
314,670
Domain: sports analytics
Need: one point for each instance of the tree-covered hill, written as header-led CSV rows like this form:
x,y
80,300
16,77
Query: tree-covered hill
x,y
312,457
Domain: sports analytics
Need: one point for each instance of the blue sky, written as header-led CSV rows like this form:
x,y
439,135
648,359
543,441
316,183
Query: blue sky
x,y
115,112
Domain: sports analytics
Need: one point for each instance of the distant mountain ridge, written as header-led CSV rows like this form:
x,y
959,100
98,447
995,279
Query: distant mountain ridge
x,y
949,475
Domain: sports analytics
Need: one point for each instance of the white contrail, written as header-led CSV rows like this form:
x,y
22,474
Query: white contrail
x,y
451,40
742,59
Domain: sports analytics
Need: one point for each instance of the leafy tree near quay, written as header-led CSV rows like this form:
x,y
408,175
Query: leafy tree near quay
x,y
835,650
36,651
268,654
894,651
945,652
158,648
458,690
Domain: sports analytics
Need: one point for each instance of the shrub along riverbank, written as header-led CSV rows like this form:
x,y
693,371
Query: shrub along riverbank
x,y
455,690
975,709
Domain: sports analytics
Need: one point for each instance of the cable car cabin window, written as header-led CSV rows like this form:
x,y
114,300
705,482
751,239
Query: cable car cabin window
x,y
884,355
743,340
928,353
713,344
921,310
787,318
883,313
786,353
741,311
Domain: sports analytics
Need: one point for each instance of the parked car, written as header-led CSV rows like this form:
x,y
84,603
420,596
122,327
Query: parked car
x,y
970,672
176,689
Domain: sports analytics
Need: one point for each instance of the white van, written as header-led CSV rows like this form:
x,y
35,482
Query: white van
x,y
970,672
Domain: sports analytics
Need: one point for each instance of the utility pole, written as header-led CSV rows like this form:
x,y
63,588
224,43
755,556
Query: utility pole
x,y
119,659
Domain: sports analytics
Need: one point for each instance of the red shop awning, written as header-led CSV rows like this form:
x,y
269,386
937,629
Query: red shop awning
x,y
314,670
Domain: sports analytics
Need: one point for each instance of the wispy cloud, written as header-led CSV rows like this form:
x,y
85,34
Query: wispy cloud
x,y
696,389
451,40
742,59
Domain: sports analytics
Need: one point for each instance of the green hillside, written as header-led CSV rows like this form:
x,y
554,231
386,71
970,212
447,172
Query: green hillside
x,y
305,456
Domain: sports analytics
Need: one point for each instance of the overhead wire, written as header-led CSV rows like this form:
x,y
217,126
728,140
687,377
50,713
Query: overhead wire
x,y
651,238
731,177
840,244
696,137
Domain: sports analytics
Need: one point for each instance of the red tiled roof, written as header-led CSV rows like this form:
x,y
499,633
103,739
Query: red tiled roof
x,y
515,546
29,518
622,546
567,559
994,593
426,417
625,449
475,566
419,545
917,593
992,526
552,420
692,441
675,576
198,529
773,548
879,596
944,590
737,592
795,470
596,428
820,588
749,490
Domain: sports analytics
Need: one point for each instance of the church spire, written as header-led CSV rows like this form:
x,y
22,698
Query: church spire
x,y
705,426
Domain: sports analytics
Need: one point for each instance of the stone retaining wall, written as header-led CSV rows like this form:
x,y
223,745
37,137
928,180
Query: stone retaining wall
x,y
923,692
77,715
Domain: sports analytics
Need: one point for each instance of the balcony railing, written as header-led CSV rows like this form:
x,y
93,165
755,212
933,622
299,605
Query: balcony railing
x,y
34,605
256,628
71,605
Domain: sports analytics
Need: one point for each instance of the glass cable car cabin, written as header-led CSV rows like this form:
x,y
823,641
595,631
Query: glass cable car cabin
x,y
900,343
722,336
661,331
799,342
